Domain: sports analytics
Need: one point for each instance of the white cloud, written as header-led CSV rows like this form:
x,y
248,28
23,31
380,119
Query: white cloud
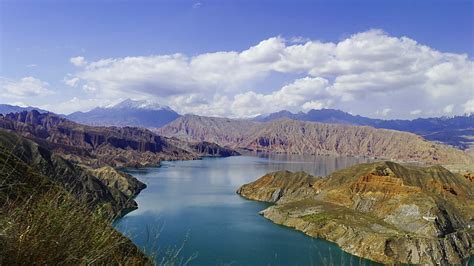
x,y
21,104
72,82
26,87
469,106
384,112
314,105
78,61
76,104
448,109
299,39
365,70
300,93
416,112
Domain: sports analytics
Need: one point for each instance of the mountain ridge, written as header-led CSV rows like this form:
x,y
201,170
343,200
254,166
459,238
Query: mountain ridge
x,y
439,129
300,137
8,108
98,146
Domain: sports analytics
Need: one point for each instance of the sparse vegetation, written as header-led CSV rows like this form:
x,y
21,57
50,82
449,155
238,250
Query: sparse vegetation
x,y
42,223
319,217
54,228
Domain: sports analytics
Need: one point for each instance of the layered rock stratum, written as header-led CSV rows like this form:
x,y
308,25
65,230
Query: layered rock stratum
x,y
383,211
299,137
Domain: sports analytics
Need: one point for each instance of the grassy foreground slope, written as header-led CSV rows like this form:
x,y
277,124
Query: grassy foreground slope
x,y
47,219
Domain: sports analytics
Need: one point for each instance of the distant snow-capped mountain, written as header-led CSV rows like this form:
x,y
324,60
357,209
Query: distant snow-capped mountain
x,y
140,104
128,113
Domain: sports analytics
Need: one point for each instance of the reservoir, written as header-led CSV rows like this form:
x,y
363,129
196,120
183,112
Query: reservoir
x,y
192,206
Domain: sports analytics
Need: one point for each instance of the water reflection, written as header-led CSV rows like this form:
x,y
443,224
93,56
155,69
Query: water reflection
x,y
315,165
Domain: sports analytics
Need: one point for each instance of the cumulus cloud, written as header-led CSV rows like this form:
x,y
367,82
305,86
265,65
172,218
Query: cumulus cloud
x,y
365,72
448,109
416,112
77,104
78,61
292,96
384,112
72,82
469,106
24,88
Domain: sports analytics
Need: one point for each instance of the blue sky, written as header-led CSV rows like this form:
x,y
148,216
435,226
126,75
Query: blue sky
x,y
39,38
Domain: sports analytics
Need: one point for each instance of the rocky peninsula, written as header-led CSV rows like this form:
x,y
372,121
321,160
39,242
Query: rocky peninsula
x,y
383,211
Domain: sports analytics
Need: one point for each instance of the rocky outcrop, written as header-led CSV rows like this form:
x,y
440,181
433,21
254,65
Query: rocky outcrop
x,y
212,149
277,187
382,211
298,137
100,146
203,148
120,181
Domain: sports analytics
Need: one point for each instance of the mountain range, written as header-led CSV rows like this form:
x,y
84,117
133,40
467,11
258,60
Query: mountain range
x,y
457,131
301,137
98,146
127,113
8,108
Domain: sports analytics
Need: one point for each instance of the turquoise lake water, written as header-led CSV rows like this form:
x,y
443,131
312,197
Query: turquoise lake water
x,y
193,204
